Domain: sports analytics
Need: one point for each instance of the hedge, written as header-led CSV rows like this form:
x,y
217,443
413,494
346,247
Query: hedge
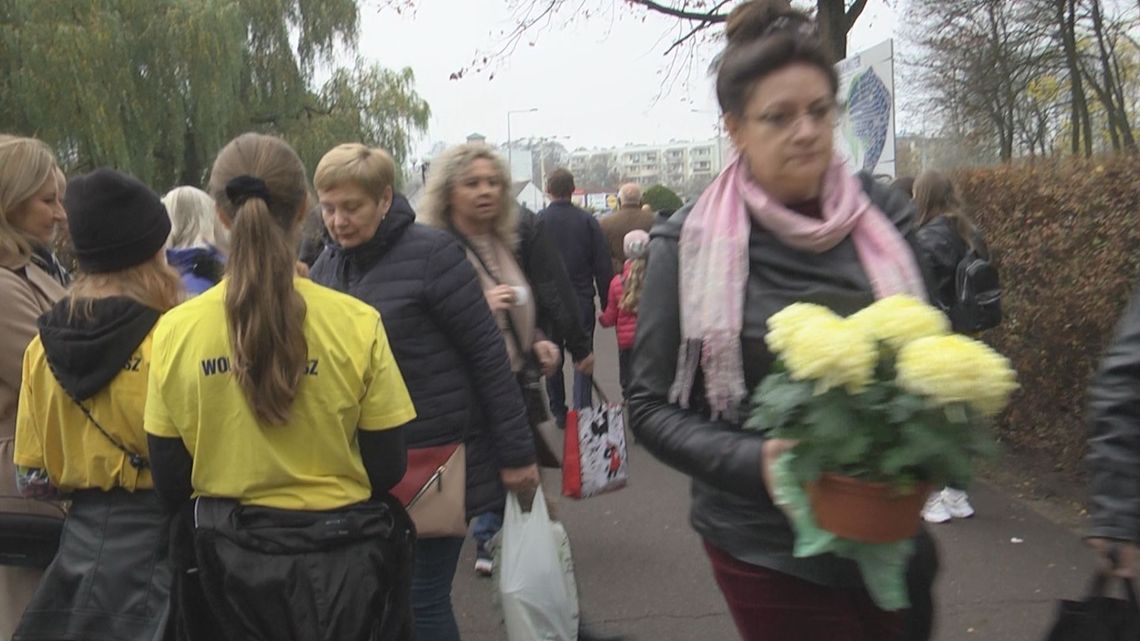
x,y
1065,236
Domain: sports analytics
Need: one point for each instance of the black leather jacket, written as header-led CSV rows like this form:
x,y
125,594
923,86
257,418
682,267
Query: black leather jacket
x,y
943,248
1114,444
731,508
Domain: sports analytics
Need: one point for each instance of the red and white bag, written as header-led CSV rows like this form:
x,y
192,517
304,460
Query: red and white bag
x,y
595,458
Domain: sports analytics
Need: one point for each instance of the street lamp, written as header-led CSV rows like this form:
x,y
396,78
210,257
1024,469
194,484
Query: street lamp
x,y
510,165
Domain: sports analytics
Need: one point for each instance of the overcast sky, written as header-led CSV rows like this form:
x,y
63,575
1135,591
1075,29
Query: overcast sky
x,y
594,81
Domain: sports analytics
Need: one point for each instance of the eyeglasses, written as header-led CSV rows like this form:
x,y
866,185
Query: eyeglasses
x,y
785,121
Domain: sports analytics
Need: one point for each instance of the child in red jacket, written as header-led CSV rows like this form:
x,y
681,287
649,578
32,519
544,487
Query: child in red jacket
x,y
625,293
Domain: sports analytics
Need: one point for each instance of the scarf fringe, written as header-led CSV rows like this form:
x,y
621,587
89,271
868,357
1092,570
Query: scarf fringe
x,y
688,358
723,365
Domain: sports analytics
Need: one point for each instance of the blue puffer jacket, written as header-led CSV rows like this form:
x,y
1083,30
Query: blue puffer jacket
x,y
448,346
200,267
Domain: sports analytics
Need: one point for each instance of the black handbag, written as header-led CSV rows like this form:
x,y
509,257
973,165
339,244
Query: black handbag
x,y
1098,617
29,540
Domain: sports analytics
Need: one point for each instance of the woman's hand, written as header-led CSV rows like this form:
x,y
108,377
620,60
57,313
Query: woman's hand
x,y
548,357
1124,563
500,297
773,450
519,479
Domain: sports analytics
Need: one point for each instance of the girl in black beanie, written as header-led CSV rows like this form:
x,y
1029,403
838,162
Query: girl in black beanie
x,y
79,426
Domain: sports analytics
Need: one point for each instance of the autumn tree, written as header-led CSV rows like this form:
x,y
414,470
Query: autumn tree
x,y
156,88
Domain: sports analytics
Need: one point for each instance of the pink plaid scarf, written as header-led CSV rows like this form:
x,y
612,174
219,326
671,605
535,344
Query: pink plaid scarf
x,y
713,258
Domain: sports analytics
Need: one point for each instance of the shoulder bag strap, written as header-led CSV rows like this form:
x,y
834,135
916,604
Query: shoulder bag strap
x,y
525,350
137,461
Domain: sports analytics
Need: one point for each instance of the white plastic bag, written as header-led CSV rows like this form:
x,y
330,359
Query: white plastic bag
x,y
536,575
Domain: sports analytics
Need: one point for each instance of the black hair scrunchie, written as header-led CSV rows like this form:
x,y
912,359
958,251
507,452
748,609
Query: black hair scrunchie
x,y
244,187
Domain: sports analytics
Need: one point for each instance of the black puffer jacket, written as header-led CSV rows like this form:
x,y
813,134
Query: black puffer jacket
x,y
1114,444
731,508
448,346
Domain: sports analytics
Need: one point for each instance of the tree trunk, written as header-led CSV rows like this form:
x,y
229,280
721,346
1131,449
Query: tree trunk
x,y
1112,96
1079,118
831,16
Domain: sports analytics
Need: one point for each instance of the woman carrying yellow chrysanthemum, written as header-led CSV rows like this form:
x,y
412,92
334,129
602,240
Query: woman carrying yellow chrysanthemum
x,y
785,222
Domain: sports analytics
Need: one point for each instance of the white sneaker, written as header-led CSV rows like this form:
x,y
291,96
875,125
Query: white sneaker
x,y
957,503
935,510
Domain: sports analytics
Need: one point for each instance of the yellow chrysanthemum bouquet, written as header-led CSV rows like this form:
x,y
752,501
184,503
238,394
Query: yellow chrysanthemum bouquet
x,y
886,399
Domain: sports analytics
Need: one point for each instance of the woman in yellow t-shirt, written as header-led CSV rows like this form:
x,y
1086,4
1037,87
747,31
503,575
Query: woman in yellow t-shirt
x,y
277,405
79,424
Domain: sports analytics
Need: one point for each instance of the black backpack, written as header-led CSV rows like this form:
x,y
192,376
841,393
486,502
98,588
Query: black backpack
x,y
977,294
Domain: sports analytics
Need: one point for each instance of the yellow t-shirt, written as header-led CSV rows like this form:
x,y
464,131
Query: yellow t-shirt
x,y
313,461
53,434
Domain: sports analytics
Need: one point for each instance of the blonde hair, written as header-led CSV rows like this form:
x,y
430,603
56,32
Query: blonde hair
x,y
194,220
631,286
264,312
371,168
152,283
25,165
446,170
935,195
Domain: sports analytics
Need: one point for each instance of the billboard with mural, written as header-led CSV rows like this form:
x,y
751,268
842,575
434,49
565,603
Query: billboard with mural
x,y
865,131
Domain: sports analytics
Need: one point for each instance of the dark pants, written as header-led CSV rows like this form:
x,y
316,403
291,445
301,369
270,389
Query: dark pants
x,y
583,384
625,372
436,560
767,605
920,575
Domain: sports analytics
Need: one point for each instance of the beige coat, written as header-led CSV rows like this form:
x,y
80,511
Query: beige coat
x,y
618,224
26,292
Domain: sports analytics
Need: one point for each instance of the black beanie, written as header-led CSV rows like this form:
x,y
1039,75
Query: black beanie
x,y
116,221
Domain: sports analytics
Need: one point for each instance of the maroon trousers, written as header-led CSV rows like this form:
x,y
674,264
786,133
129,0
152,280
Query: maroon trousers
x,y
767,605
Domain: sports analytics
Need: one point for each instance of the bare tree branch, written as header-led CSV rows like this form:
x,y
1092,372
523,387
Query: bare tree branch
x,y
697,29
708,16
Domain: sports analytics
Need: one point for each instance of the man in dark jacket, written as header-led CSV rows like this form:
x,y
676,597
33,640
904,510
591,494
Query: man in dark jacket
x,y
587,260
449,348
558,310
1114,446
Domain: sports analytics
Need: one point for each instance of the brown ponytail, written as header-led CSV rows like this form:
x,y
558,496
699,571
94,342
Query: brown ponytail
x,y
264,313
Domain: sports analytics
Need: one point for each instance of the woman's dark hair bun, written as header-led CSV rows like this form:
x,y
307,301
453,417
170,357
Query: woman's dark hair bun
x,y
765,36
751,20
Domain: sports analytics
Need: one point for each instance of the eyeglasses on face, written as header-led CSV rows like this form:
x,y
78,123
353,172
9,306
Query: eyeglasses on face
x,y
824,113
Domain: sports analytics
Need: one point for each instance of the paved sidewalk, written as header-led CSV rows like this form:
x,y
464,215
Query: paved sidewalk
x,y
641,570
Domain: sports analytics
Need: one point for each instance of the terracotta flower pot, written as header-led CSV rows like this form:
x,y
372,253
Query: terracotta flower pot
x,y
866,512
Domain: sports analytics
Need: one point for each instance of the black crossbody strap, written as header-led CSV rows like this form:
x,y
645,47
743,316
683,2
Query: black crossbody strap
x,y
137,461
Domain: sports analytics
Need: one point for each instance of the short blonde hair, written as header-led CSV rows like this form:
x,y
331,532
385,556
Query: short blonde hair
x,y
25,165
194,220
435,207
371,168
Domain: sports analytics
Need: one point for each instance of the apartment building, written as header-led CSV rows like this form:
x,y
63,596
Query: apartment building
x,y
674,164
